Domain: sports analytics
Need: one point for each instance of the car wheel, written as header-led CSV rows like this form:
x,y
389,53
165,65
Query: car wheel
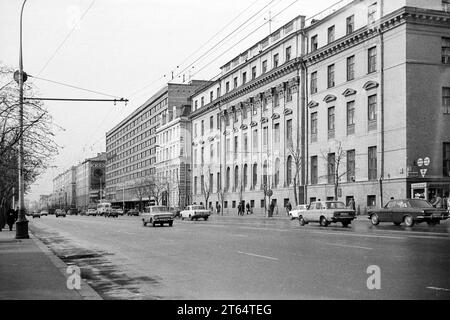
x,y
290,215
170,223
397,223
323,221
190,218
144,223
374,219
301,221
345,224
206,218
154,224
409,221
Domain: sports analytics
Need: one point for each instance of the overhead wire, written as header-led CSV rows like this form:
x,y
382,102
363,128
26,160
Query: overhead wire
x,y
66,38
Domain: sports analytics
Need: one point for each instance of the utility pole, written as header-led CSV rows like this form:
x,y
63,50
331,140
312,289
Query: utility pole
x,y
21,77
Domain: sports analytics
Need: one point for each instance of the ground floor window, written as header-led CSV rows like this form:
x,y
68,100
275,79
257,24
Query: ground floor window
x,y
371,201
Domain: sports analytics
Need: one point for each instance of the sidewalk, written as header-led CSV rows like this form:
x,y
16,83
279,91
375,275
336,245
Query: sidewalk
x,y
30,271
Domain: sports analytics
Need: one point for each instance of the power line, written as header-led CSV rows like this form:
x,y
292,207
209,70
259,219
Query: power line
x,y
67,37
245,37
75,87
226,37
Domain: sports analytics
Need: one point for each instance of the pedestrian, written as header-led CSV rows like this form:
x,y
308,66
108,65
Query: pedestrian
x,y
248,208
437,203
10,218
242,209
218,208
288,207
271,209
445,201
239,209
351,204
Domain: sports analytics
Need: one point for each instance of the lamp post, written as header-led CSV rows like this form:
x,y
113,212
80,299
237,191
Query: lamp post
x,y
21,77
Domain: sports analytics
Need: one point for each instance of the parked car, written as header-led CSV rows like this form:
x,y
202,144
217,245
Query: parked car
x,y
72,211
36,214
118,210
133,212
44,213
409,211
51,211
195,212
91,212
83,212
157,215
176,211
298,210
326,212
111,213
60,213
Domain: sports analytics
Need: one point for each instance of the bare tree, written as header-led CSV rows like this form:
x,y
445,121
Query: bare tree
x,y
37,134
140,190
334,159
298,159
206,184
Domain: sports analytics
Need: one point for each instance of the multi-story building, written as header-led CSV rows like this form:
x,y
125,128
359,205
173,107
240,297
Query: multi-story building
x,y
90,181
378,101
247,126
131,144
173,156
64,189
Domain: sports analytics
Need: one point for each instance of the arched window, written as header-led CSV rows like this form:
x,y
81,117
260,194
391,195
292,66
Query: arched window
x,y
265,181
255,175
245,175
227,182
236,177
277,172
289,171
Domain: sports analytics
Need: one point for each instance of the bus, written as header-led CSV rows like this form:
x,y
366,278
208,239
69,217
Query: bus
x,y
104,207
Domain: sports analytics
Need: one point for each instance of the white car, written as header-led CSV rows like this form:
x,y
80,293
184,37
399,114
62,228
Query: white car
x,y
195,212
157,215
91,212
297,211
326,212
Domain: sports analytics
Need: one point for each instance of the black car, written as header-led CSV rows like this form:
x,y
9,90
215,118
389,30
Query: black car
x,y
409,211
133,212
72,211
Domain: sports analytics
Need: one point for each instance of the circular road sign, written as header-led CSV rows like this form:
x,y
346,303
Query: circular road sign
x,y
426,161
420,162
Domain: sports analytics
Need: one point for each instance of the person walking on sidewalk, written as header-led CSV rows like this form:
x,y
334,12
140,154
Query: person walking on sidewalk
x,y
288,207
248,207
11,218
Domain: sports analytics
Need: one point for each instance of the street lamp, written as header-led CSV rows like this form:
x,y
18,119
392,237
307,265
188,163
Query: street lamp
x,y
21,77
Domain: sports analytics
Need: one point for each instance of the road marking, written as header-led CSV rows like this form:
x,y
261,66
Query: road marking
x,y
439,289
347,246
257,255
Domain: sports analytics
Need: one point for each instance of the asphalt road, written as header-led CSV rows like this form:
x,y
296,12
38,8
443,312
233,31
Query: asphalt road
x,y
251,258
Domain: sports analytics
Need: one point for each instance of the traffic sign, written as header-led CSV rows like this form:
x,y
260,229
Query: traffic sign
x,y
420,162
423,172
426,161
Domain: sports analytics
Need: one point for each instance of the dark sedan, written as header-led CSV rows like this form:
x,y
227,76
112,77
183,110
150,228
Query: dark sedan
x,y
409,211
133,212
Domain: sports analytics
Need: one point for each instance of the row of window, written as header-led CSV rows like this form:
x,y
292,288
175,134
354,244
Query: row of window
x,y
351,122
335,170
371,67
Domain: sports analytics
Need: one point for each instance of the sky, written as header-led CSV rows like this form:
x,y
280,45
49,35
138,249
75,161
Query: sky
x,y
129,49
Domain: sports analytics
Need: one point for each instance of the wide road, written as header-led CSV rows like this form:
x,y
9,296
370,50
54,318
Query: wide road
x,y
251,258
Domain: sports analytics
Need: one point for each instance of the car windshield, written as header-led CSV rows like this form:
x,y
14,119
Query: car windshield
x,y
157,209
417,203
335,205
197,207
301,207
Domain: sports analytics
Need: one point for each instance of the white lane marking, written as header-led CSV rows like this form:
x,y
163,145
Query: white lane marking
x,y
347,246
257,255
439,289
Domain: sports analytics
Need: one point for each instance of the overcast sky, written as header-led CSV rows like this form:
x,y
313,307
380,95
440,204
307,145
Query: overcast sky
x,y
124,48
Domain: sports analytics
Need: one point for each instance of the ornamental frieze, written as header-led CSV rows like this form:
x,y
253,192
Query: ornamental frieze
x,y
264,119
348,92
253,124
329,98
275,116
287,111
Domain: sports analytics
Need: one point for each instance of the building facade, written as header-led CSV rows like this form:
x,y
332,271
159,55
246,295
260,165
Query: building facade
x,y
247,126
90,181
173,157
131,145
378,78
64,189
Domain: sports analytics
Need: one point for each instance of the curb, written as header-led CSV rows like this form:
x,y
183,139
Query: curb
x,y
86,292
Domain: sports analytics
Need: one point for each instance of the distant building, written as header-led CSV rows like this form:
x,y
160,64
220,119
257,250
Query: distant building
x,y
90,181
131,144
64,189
